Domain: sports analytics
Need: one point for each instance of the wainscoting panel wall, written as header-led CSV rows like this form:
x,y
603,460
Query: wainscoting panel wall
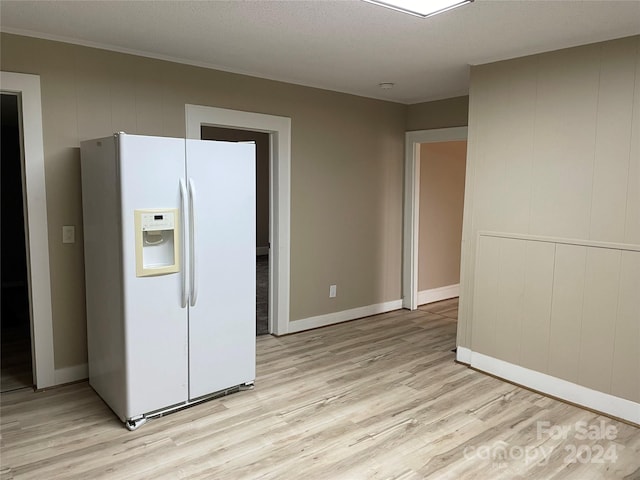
x,y
536,318
601,288
566,311
625,381
561,308
551,230
486,306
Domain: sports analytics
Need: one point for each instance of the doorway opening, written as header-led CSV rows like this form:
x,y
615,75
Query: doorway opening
x,y
441,172
16,350
27,87
414,144
441,199
262,142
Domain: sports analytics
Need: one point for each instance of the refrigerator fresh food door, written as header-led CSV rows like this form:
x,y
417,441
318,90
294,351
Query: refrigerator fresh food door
x,y
223,261
155,322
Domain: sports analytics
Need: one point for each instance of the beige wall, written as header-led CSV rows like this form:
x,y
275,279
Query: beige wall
x,y
451,112
442,172
346,168
554,169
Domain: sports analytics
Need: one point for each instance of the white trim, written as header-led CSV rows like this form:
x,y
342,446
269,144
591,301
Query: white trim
x,y
564,241
279,129
71,374
412,202
463,355
438,294
28,86
262,251
343,316
410,221
572,392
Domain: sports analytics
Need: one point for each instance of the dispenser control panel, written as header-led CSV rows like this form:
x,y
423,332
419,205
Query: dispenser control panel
x,y
157,221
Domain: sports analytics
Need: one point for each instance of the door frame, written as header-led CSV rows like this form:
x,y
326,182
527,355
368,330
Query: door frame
x,y
279,130
27,87
412,202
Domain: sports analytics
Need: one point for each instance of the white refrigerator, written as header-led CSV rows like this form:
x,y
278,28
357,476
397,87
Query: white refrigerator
x,y
169,243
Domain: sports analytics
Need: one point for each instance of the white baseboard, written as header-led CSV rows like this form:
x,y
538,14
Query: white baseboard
x,y
438,294
557,387
71,374
343,316
262,251
463,355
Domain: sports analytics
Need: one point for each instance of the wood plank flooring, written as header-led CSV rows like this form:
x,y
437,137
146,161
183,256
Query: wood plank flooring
x,y
376,398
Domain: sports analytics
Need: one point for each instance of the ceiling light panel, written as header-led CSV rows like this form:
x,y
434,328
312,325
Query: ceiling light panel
x,y
421,8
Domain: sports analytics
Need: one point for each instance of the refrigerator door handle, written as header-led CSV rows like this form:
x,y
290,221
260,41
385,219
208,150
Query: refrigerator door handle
x,y
183,247
192,243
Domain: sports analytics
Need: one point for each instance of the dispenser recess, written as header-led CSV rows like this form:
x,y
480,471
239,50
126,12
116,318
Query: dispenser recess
x,y
157,242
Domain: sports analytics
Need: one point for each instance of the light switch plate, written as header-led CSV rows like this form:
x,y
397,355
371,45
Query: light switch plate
x,y
332,291
68,234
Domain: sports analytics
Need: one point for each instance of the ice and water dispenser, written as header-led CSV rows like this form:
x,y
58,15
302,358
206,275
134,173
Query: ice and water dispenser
x,y
157,242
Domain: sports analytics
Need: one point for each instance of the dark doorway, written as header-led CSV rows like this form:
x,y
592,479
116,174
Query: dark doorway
x,y
15,329
262,141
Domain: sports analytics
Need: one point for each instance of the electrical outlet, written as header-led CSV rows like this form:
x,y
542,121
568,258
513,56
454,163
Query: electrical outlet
x,y
332,291
68,234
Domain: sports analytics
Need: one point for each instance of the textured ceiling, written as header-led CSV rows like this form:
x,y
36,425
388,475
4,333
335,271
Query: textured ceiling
x,y
346,45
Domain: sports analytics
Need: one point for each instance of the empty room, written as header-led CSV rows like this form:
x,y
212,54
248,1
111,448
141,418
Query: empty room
x,y
332,239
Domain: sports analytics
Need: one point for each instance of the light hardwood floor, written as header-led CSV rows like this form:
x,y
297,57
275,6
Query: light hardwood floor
x,y
376,398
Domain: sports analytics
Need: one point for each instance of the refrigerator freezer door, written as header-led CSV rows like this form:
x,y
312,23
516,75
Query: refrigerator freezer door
x,y
155,322
222,319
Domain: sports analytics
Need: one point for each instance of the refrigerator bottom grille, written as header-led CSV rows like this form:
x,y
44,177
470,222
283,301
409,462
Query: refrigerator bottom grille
x,y
134,423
